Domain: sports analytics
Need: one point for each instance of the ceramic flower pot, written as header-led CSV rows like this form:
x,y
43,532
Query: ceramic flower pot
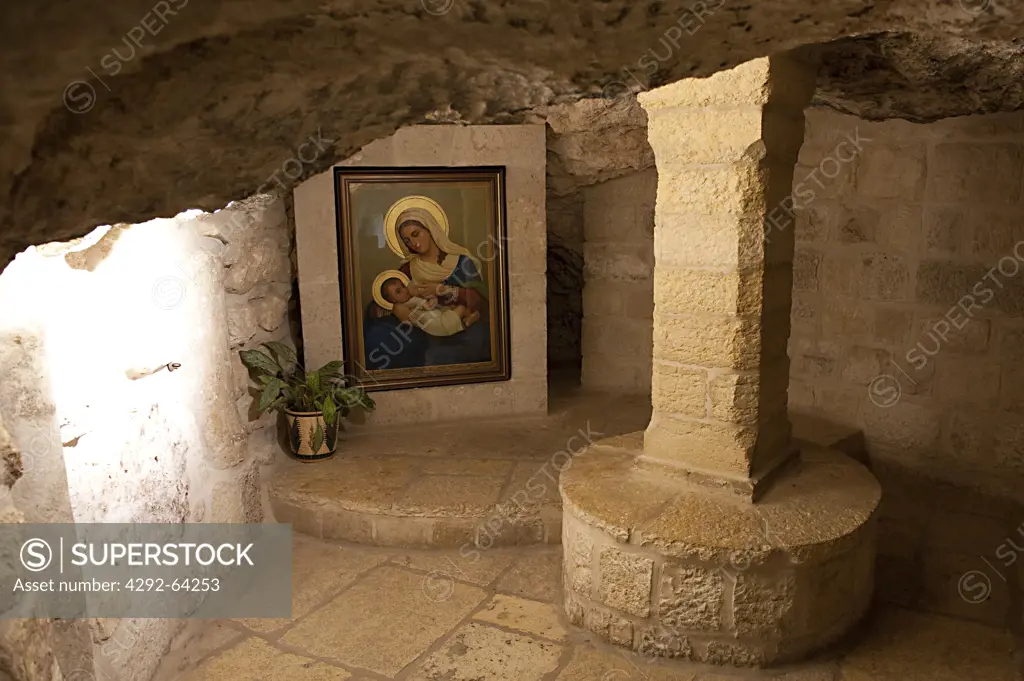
x,y
302,435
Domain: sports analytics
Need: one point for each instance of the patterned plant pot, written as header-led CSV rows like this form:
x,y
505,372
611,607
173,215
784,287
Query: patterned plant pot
x,y
302,427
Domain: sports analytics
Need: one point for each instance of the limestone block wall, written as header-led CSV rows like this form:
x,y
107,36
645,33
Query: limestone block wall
x,y
618,291
909,291
103,433
521,148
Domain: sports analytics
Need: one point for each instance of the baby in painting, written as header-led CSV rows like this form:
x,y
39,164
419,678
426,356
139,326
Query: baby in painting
x,y
424,312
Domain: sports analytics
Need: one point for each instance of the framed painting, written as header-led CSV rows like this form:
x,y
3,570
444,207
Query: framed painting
x,y
424,275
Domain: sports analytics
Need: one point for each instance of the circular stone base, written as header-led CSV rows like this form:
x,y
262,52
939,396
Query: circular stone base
x,y
676,571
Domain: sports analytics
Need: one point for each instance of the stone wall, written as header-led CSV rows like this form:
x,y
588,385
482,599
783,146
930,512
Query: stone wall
x,y
565,281
104,432
261,306
589,144
908,297
618,294
26,646
521,150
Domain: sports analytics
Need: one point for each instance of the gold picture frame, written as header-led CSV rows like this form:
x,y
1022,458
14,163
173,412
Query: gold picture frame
x,y
423,271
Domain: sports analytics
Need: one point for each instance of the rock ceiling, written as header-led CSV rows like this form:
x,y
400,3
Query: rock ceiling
x,y
125,111
919,78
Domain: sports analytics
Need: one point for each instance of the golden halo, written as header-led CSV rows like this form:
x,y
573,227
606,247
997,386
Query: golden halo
x,y
391,218
378,297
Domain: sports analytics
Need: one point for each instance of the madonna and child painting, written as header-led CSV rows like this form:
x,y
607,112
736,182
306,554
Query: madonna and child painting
x,y
423,272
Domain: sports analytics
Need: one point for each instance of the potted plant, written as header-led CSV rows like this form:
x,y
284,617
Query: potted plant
x,y
314,402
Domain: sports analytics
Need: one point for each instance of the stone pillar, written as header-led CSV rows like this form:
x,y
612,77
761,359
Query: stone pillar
x,y
725,148
674,569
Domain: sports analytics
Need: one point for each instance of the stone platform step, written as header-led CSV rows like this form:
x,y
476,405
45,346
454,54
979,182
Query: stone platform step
x,y
451,485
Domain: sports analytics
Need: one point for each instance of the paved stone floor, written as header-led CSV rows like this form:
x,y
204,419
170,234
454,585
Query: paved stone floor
x,y
363,613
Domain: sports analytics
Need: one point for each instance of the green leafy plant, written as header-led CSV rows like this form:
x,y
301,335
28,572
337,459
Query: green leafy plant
x,y
285,384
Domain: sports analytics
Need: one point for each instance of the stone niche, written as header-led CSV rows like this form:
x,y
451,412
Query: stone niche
x,y
521,149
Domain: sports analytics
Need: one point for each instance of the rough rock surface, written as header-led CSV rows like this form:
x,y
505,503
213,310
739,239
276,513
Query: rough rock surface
x,y
11,466
241,323
97,319
919,78
270,310
119,113
593,141
26,652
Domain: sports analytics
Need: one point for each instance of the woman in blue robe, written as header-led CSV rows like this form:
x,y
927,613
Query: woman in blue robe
x,y
437,266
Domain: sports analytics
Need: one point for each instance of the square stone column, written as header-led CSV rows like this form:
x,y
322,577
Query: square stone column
x,y
725,149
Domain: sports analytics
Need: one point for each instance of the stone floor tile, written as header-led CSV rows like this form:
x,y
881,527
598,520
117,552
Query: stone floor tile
x,y
536,574
906,646
319,570
451,495
460,466
536,441
470,565
964,585
389,619
357,481
589,664
531,617
213,635
536,484
384,622
477,652
198,640
256,660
